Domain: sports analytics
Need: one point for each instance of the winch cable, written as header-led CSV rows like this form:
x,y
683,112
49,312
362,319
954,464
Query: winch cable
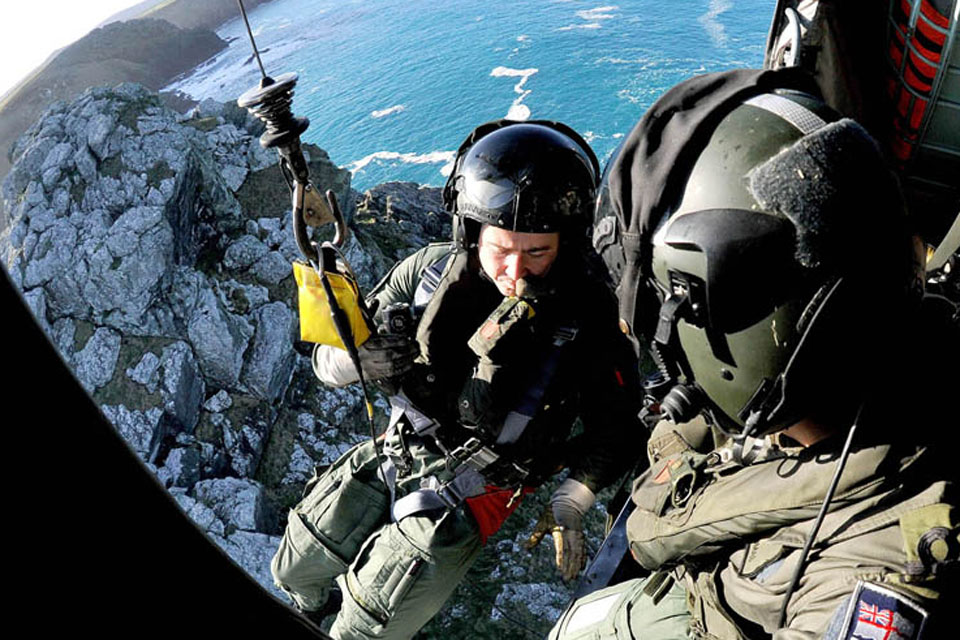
x,y
271,101
253,43
808,545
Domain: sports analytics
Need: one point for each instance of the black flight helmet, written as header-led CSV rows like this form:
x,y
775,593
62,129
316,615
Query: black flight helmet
x,y
534,177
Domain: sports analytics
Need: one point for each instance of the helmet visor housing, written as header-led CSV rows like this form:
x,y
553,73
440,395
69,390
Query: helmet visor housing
x,y
526,177
768,305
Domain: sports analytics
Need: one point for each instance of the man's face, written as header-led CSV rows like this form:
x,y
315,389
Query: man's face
x,y
508,256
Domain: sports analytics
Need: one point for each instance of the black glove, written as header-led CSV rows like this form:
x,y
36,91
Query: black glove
x,y
387,355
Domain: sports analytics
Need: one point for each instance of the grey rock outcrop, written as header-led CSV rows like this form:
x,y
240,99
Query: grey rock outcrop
x,y
155,250
238,503
271,361
182,385
96,362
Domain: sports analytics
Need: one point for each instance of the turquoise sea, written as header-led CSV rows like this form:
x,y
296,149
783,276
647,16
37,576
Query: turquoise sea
x,y
391,87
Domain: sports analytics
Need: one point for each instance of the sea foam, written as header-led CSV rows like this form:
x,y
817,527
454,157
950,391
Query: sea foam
x,y
598,13
433,157
518,110
380,113
572,27
713,27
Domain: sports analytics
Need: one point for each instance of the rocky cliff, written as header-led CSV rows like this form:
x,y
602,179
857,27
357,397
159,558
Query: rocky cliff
x,y
203,14
155,251
150,52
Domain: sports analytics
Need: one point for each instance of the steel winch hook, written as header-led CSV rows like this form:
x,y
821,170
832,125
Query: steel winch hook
x,y
270,102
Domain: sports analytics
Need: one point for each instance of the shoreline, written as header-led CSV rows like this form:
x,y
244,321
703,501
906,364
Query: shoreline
x,y
116,51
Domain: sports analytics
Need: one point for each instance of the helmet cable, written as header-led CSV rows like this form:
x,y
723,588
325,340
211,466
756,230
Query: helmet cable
x,y
844,455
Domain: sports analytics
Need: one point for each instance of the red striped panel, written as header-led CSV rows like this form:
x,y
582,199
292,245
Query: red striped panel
x,y
902,129
916,82
896,55
930,12
932,56
903,17
903,103
901,149
919,107
937,37
899,36
926,70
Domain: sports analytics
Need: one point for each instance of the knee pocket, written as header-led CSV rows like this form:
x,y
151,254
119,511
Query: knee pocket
x,y
340,510
624,612
302,559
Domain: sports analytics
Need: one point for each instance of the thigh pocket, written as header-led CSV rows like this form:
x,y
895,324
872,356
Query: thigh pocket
x,y
385,571
341,510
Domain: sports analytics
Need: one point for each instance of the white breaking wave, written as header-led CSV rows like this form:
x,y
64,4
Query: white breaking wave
x,y
518,110
709,21
433,157
397,108
522,37
507,72
571,27
598,13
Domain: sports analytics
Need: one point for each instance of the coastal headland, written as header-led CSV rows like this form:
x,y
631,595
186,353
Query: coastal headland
x,y
151,44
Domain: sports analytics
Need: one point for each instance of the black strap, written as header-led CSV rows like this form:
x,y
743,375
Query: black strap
x,y
429,281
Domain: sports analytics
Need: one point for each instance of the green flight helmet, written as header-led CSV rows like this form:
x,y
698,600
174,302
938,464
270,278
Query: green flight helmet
x,y
534,176
780,270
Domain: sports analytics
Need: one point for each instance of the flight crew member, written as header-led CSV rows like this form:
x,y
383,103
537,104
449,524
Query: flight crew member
x,y
794,490
515,339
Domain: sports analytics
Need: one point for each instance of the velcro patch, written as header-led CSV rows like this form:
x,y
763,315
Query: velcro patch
x,y
490,329
877,613
664,475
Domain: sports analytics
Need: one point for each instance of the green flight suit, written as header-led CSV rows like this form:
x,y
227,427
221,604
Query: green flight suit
x,y
734,542
394,576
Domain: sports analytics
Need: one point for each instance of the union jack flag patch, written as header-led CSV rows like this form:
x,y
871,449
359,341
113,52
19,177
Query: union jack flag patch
x,y
877,613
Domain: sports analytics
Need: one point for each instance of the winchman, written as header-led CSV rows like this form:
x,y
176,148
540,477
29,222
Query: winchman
x,y
491,347
800,483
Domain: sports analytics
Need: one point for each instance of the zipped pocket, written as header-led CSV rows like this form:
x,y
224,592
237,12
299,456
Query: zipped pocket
x,y
404,583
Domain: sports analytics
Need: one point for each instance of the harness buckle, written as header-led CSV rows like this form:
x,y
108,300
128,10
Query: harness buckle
x,y
474,454
563,335
449,495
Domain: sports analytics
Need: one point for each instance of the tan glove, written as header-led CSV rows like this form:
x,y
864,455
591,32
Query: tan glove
x,y
569,545
563,518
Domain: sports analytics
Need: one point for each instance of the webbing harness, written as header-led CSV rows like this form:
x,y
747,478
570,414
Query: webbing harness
x,y
472,458
429,281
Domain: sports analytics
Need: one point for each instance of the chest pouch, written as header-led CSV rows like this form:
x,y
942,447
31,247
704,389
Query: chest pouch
x,y
509,314
318,319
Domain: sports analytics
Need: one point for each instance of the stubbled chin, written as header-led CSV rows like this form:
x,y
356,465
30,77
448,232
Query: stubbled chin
x,y
507,290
